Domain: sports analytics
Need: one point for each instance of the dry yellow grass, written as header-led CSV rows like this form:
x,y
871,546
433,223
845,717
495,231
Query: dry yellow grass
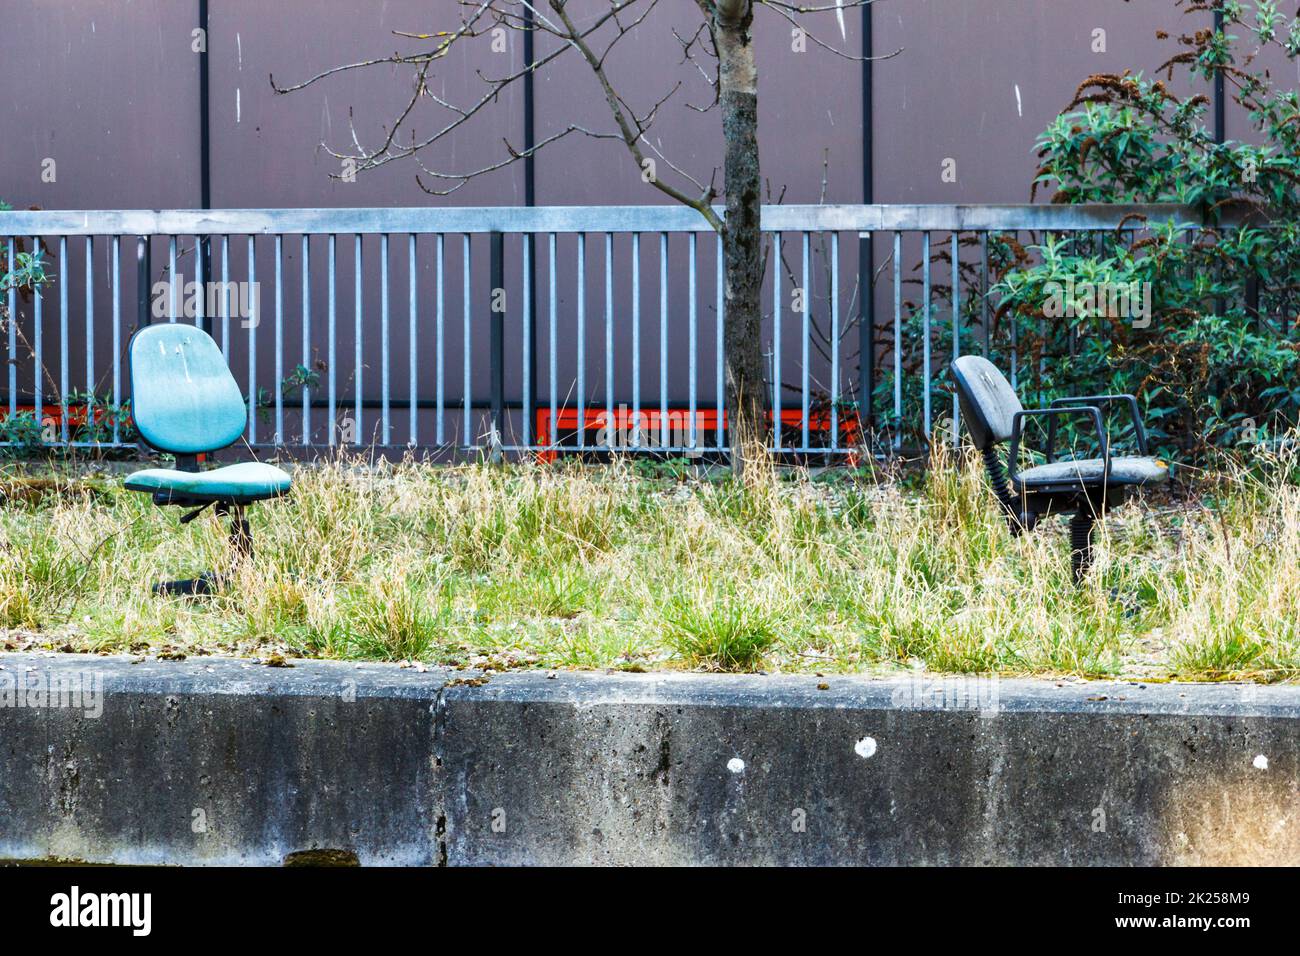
x,y
567,566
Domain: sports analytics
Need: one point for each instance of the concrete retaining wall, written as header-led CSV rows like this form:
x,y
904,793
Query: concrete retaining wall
x,y
222,761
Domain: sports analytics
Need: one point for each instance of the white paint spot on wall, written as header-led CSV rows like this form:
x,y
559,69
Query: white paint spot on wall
x,y
239,50
1019,110
238,110
736,765
1260,762
866,747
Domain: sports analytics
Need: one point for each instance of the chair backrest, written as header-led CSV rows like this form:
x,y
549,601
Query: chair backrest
x,y
183,398
988,402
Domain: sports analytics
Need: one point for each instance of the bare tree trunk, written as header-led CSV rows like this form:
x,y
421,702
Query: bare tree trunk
x,y
747,398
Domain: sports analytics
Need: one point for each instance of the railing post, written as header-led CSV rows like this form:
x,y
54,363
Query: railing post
x,y
866,332
529,343
866,243
496,307
143,269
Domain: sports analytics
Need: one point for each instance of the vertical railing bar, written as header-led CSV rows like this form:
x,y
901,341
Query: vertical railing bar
x,y
693,346
925,335
835,341
551,354
331,267
412,353
63,337
440,435
384,396
610,424
1096,249
898,341
582,340
90,323
776,340
663,340
467,398
279,339
805,335
13,334
984,291
200,279
306,339
528,345
956,340
255,309
357,307
1042,359
637,437
143,278
225,296
38,336
719,375
496,337
117,338
171,279
1015,346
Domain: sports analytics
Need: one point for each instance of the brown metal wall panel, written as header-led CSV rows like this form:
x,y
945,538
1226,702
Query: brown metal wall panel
x,y
106,89
265,147
979,80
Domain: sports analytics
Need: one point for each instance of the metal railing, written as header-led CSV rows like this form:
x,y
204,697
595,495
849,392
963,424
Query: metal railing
x,y
498,349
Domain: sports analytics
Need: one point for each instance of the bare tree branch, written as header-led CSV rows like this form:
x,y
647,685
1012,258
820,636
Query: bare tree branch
x,y
484,16
513,155
787,10
628,126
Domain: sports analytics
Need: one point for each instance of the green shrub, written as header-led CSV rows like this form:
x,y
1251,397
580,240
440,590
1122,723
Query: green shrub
x,y
1212,364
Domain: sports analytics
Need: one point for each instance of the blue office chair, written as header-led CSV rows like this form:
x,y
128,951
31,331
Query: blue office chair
x,y
184,401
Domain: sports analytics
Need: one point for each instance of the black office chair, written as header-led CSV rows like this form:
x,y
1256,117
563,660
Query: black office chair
x,y
1087,487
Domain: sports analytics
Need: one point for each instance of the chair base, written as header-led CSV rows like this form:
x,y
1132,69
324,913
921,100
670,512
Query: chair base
x,y
210,582
207,583
1085,509
1081,524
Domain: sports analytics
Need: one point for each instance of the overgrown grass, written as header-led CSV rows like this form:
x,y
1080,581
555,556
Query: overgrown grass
x,y
566,566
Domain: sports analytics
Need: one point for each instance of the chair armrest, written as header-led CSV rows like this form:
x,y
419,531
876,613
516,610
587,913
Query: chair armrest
x,y
1093,411
1101,401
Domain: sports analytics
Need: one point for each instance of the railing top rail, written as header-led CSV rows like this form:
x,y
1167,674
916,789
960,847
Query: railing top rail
x,y
542,219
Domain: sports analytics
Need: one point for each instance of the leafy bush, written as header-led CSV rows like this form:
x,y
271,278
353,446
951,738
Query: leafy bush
x,y
1213,363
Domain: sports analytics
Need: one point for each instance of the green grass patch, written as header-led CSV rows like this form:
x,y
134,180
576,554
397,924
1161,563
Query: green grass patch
x,y
632,567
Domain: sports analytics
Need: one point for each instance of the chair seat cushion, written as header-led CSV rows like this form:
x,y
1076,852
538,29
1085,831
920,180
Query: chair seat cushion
x,y
1087,471
244,482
